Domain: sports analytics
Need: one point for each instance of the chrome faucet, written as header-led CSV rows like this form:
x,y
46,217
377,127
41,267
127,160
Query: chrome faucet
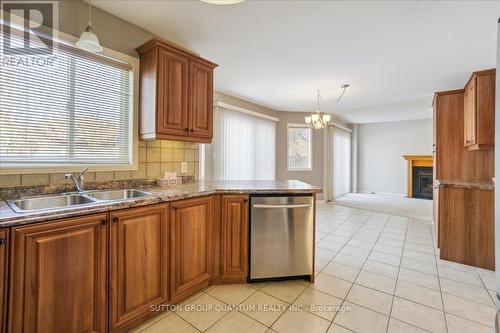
x,y
77,181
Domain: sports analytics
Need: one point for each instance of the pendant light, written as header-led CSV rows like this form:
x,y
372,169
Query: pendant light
x,y
319,120
88,40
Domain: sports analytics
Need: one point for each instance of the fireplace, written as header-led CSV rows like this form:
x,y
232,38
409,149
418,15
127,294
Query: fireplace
x,y
422,182
419,176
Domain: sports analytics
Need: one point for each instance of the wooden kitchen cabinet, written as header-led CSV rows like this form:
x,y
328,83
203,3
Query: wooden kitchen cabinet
x,y
234,249
176,99
452,161
58,276
4,251
190,257
139,261
200,99
479,110
467,226
172,98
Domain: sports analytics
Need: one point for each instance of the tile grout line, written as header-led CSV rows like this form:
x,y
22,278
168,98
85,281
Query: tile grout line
x,y
440,289
255,291
353,282
274,322
397,276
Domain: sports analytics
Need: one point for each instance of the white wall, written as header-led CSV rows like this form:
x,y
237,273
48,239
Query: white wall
x,y
381,167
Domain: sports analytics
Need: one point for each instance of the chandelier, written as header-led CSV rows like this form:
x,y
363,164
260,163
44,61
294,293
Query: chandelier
x,y
319,120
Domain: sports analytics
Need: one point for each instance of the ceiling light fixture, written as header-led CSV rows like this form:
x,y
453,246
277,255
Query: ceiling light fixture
x,y
222,2
88,40
319,120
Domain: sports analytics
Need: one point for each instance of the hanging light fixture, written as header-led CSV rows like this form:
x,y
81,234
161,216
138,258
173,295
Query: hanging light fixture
x,y
88,40
319,120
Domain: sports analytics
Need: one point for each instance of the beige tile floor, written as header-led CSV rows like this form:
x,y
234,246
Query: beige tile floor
x,y
374,273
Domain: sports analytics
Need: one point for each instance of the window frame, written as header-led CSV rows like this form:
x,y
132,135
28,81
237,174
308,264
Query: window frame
x,y
299,125
42,168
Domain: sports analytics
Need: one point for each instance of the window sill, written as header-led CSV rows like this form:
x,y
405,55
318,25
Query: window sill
x,y
63,168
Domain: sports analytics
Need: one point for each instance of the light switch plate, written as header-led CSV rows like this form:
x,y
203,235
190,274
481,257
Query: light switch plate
x,y
184,167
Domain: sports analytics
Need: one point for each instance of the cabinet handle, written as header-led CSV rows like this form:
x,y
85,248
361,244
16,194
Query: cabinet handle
x,y
115,220
104,222
2,241
191,130
186,129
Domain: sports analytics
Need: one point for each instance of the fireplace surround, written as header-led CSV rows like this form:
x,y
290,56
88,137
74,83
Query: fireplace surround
x,y
419,176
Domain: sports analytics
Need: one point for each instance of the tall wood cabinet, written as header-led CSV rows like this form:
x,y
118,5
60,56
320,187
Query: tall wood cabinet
x,y
479,110
58,276
176,93
139,261
463,201
190,257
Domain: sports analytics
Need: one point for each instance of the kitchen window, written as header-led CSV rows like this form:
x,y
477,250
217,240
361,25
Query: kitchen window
x,y
299,147
76,111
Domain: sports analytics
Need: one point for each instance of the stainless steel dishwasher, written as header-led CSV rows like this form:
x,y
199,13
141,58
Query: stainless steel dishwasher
x,y
281,236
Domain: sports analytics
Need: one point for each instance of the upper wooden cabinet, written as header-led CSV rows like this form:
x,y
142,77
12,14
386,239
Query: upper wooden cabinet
x,y
58,276
176,100
452,161
138,252
479,110
190,257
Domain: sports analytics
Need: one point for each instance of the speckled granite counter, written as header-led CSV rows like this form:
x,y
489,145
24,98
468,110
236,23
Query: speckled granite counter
x,y
9,218
473,186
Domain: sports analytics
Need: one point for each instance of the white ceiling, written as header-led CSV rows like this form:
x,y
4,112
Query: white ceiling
x,y
394,54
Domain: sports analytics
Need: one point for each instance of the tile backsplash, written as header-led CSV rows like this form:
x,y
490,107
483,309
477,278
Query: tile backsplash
x,y
155,157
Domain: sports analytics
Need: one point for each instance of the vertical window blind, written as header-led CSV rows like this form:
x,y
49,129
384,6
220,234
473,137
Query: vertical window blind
x,y
78,110
243,147
341,162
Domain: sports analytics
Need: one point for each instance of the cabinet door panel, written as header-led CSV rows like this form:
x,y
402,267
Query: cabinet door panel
x,y
201,100
235,235
190,246
4,243
172,97
485,110
138,264
59,277
469,114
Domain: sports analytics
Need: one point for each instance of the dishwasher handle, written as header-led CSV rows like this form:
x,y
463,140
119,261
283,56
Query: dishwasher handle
x,y
282,206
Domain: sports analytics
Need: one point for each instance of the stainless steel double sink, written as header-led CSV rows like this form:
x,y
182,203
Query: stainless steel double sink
x,y
73,199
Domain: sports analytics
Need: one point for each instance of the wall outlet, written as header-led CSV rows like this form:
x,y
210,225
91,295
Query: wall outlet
x,y
184,167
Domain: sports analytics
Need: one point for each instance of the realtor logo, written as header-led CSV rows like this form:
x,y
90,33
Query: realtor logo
x,y
28,27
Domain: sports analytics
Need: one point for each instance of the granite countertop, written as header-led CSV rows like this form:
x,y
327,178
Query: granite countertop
x,y
9,218
473,186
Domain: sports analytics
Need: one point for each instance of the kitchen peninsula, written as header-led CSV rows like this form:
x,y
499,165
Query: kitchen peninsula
x,y
105,263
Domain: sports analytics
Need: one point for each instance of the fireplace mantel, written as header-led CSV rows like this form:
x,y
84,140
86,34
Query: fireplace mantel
x,y
415,161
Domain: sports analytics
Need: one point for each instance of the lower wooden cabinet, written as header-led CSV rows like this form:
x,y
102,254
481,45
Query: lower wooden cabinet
x,y
234,249
139,259
4,243
105,272
190,246
58,276
467,226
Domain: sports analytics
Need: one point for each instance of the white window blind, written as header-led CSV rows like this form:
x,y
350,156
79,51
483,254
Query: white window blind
x,y
341,162
243,147
79,110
